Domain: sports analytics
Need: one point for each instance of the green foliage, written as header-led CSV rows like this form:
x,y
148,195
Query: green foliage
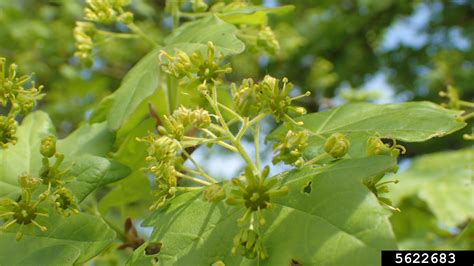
x,y
444,182
141,92
360,121
346,217
435,194
74,239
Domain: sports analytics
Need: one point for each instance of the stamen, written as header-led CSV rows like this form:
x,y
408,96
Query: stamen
x,y
42,228
297,123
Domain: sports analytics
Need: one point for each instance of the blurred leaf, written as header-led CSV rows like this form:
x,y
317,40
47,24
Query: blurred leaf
x,y
253,15
339,214
467,236
442,180
71,240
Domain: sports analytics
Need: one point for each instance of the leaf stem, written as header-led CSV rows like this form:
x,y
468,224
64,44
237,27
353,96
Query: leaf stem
x,y
231,111
117,34
316,159
468,116
185,189
191,178
225,129
256,139
466,103
194,15
201,171
257,119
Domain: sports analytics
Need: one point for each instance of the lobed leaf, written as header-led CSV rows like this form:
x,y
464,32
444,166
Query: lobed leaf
x,y
444,182
410,122
71,240
337,222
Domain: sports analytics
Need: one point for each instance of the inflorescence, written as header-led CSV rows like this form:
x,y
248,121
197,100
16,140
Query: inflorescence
x,y
18,95
180,132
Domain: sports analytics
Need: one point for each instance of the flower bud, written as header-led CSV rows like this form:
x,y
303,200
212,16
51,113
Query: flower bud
x,y
337,145
375,146
214,193
28,181
199,5
8,127
291,147
64,202
126,18
48,147
249,242
200,118
246,99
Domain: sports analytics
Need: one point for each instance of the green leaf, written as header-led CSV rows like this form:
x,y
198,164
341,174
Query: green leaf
x,y
339,222
25,155
139,83
91,172
95,139
195,35
71,240
443,181
466,236
125,198
145,77
359,121
124,194
253,15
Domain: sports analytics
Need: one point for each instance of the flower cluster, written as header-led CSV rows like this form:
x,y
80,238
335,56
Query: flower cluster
x,y
259,39
199,5
23,212
104,12
290,148
255,194
379,188
197,68
455,102
84,33
165,151
108,11
8,127
15,96
163,158
169,151
182,119
36,190
375,146
267,96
